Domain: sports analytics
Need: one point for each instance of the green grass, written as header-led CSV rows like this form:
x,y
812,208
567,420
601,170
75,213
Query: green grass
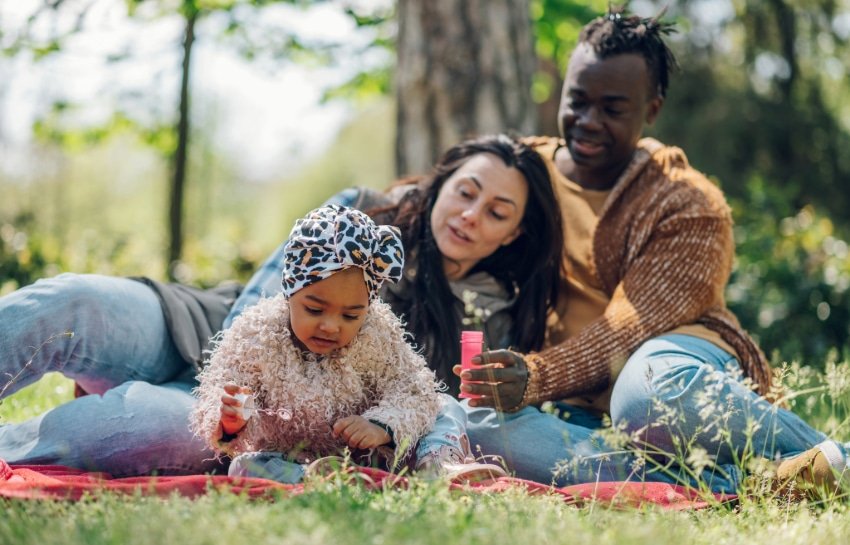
x,y
337,512
427,514
34,399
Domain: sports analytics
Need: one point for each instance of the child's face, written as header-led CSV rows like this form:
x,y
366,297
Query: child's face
x,y
328,314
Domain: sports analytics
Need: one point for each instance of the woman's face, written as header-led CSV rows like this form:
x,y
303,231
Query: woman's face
x,y
478,209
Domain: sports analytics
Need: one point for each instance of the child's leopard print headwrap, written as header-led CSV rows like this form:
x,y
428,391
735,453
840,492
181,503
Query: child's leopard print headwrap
x,y
333,238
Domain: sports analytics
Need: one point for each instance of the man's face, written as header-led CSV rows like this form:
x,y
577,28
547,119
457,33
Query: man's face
x,y
604,106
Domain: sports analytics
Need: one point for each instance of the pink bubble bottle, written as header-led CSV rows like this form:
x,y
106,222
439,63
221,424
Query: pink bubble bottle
x,y
471,344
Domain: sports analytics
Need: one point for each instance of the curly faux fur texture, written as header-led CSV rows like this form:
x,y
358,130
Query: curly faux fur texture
x,y
299,396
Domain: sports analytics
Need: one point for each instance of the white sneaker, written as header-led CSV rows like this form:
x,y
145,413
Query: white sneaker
x,y
452,464
327,466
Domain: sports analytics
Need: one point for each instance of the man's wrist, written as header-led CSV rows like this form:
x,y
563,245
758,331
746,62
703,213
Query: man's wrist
x,y
532,385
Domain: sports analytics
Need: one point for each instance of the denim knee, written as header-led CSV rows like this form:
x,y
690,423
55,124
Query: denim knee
x,y
666,373
72,294
634,400
41,324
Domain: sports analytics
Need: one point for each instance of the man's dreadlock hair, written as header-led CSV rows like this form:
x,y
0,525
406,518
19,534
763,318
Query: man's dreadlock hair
x,y
619,32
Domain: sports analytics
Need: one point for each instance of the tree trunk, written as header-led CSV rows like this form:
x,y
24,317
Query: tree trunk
x,y
178,183
464,69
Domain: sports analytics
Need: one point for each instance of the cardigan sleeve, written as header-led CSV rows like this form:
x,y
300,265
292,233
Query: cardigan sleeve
x,y
206,415
237,358
673,279
407,401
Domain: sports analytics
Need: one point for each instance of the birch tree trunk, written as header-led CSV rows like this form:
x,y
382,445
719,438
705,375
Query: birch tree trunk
x,y
464,69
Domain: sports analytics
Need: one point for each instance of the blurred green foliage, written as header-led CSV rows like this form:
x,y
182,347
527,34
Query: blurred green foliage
x,y
791,285
100,211
23,255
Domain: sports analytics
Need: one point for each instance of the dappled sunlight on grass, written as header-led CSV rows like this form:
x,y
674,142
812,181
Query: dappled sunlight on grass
x,y
34,399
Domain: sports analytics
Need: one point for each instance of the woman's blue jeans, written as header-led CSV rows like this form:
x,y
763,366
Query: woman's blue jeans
x,y
109,335
678,398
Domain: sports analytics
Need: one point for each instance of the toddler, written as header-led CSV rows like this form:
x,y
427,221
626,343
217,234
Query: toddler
x,y
322,366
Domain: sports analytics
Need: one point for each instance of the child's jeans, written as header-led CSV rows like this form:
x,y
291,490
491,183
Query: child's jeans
x,y
448,431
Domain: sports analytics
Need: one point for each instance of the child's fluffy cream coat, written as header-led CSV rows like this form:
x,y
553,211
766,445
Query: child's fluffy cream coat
x,y
299,396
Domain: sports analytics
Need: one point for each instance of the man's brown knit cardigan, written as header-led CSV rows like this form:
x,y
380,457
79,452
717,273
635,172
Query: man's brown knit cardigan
x,y
663,252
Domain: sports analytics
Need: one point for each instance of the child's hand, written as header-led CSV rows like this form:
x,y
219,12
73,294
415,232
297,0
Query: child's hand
x,y
232,419
357,432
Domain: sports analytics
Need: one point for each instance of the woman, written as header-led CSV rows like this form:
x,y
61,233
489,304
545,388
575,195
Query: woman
x,y
486,265
135,342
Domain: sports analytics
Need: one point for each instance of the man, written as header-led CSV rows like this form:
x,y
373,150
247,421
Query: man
x,y
641,331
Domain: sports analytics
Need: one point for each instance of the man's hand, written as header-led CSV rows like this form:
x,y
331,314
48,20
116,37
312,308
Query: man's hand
x,y
357,432
503,376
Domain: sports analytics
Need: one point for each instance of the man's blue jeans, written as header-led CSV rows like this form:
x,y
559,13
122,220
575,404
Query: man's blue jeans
x,y
678,398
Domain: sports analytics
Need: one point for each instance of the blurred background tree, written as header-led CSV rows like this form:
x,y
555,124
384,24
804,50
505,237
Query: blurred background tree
x,y
168,130
464,67
761,105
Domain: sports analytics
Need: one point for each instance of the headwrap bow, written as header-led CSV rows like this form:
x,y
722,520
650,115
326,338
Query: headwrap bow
x,y
333,238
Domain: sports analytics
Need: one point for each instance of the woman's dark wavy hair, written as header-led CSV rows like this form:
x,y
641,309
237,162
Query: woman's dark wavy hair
x,y
529,266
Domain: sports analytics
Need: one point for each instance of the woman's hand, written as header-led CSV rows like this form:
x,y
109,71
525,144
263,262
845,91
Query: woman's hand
x,y
232,419
357,432
503,375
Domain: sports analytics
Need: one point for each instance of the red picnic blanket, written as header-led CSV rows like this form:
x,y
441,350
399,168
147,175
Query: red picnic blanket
x,y
65,483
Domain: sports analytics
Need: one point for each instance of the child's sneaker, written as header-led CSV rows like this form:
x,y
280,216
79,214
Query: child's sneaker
x,y
452,464
327,466
819,473
266,465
